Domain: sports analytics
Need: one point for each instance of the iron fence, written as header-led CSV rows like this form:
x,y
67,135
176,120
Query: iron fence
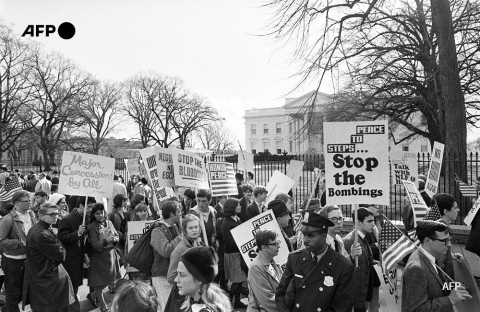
x,y
265,166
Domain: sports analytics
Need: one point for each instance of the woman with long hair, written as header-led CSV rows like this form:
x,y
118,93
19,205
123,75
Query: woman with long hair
x,y
141,213
136,199
104,267
191,237
118,218
196,270
232,257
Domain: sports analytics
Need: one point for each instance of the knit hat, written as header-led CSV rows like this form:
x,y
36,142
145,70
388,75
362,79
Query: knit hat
x,y
201,262
18,194
278,207
230,206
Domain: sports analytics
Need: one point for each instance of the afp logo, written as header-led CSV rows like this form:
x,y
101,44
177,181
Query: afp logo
x,y
66,30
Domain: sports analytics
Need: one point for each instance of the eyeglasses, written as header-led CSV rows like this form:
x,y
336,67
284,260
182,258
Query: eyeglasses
x,y
445,240
274,244
53,214
337,220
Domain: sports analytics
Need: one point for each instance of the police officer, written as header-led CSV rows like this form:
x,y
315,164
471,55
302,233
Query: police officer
x,y
316,278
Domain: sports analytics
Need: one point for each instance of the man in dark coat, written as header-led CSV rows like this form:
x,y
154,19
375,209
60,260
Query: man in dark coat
x,y
316,278
47,286
70,234
258,206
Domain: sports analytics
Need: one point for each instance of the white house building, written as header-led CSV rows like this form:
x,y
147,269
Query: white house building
x,y
286,129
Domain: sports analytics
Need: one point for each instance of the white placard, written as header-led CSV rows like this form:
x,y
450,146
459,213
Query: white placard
x,y
472,213
189,169
244,236
389,296
133,167
356,162
405,168
295,170
245,162
431,186
165,166
278,183
86,175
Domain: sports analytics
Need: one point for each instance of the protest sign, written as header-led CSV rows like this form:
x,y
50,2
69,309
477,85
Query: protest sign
x,y
245,161
356,162
86,175
295,170
222,179
464,275
133,167
189,169
404,167
165,166
135,230
389,296
431,186
278,183
472,213
419,206
150,163
244,236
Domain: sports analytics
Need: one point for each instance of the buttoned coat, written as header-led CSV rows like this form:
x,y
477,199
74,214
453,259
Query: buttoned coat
x,y
262,283
422,287
252,210
327,286
74,246
47,286
363,286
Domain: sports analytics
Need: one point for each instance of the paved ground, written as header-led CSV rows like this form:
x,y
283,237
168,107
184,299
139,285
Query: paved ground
x,y
459,247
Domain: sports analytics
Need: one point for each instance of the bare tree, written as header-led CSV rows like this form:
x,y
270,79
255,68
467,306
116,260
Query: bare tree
x,y
15,92
101,113
213,136
59,91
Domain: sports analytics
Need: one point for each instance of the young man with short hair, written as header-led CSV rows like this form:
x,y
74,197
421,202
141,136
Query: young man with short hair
x,y
364,275
43,184
207,213
258,206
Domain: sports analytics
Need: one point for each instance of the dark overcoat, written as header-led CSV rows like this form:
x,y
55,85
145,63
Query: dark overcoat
x,y
74,246
47,286
252,210
364,274
326,287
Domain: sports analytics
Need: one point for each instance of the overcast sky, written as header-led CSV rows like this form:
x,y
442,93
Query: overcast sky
x,y
213,45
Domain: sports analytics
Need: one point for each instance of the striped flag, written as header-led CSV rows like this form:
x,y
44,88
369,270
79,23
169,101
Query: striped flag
x,y
433,214
394,245
466,190
10,187
222,179
419,207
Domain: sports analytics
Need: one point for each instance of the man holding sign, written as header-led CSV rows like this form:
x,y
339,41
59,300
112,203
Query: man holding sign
x,y
316,278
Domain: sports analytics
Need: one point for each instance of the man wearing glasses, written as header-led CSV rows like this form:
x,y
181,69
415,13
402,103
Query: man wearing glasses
x,y
423,281
334,214
264,273
14,228
47,284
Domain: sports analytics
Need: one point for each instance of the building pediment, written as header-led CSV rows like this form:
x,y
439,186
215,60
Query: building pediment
x,y
297,103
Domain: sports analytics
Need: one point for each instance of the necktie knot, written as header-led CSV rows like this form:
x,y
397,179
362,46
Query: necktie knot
x,y
315,260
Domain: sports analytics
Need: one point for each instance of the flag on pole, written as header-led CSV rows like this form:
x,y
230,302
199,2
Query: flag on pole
x,y
10,187
394,245
433,214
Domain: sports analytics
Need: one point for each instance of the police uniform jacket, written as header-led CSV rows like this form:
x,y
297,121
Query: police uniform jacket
x,y
326,287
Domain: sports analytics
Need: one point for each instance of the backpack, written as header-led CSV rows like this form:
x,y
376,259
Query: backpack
x,y
141,255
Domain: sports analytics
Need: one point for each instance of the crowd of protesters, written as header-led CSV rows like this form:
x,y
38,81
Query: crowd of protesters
x,y
48,248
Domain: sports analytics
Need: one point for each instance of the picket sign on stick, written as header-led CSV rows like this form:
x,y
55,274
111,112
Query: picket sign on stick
x,y
202,224
244,160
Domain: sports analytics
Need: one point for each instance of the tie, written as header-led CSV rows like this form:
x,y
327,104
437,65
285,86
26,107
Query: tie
x,y
315,260
337,245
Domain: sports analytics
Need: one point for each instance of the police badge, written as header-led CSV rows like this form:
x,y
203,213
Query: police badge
x,y
328,281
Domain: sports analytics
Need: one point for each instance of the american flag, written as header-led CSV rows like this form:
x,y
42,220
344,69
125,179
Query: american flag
x,y
433,214
466,190
394,245
10,187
